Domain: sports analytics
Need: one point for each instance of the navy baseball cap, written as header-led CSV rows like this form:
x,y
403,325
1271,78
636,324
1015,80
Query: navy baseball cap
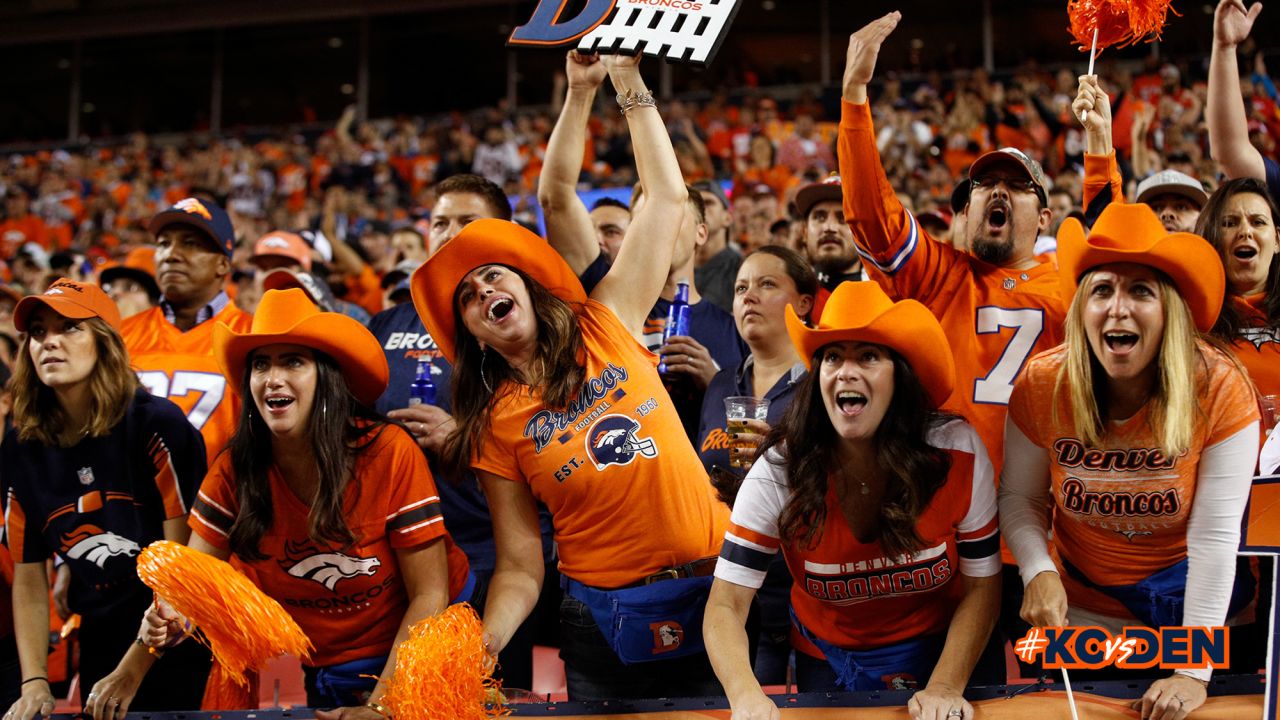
x,y
205,216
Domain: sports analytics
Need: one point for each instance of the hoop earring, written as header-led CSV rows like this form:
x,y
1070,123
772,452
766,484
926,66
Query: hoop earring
x,y
484,354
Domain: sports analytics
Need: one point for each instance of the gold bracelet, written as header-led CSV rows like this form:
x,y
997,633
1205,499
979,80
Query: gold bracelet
x,y
379,708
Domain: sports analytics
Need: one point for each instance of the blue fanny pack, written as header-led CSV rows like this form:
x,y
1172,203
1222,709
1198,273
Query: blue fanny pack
x,y
1158,599
350,683
902,666
661,621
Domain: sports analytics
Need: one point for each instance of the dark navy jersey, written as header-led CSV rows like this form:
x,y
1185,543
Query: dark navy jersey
x,y
713,441
98,503
404,340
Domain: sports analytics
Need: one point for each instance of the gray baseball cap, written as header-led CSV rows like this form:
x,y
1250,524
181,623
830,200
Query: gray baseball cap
x,y
1172,182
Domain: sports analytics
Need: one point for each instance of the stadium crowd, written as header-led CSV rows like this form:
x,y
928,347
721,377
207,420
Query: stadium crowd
x,y
936,284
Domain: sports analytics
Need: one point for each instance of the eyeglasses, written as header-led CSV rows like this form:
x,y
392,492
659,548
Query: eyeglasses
x,y
1015,184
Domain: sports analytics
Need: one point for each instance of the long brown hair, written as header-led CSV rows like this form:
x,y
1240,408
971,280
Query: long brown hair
x,y
481,377
37,415
340,429
808,444
1209,227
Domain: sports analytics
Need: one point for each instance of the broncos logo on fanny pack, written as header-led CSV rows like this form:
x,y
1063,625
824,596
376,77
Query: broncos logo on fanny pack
x,y
327,567
612,440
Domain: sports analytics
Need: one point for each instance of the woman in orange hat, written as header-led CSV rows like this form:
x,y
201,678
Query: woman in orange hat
x,y
1143,437
96,469
556,400
332,506
884,509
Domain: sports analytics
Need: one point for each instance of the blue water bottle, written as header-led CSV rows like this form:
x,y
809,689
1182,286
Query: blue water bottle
x,y
422,391
677,318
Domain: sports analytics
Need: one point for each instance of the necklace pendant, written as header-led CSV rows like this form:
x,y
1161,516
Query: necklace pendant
x,y
865,490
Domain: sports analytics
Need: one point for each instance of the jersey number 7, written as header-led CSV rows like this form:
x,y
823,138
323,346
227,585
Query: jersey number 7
x,y
1027,324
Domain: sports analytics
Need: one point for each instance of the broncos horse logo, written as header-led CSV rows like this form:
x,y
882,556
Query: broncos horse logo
x,y
327,568
94,545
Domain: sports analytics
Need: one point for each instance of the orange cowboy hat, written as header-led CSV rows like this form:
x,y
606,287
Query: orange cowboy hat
x,y
485,242
289,316
1128,233
861,312
70,299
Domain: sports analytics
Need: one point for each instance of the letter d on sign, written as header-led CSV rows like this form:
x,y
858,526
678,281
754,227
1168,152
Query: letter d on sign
x,y
545,28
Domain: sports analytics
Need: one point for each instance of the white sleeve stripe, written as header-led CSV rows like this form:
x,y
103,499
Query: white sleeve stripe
x,y
730,537
410,506
739,575
209,525
904,253
210,501
985,567
411,528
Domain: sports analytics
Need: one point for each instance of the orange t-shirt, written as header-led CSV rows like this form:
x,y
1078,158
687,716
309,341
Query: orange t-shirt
x,y
349,601
1259,345
994,318
627,493
180,366
1121,510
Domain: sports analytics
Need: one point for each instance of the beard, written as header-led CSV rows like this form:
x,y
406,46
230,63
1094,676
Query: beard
x,y
988,249
833,265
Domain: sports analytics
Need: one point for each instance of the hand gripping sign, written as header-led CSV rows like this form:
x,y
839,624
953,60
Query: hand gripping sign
x,y
686,31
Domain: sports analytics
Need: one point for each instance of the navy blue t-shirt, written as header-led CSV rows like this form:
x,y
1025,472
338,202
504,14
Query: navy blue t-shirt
x,y
98,503
404,339
713,445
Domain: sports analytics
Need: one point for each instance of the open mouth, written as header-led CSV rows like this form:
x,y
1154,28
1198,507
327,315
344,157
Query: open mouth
x,y
850,402
278,402
1120,341
500,308
997,216
1245,253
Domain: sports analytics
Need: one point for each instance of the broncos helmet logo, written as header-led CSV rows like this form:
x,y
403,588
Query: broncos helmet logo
x,y
94,545
327,568
193,207
613,441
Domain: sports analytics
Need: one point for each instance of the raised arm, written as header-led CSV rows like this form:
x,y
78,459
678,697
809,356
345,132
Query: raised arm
x,y
640,270
569,228
1102,182
1228,125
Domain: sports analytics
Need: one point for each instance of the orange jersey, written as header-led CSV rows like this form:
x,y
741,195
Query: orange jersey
x,y
627,493
853,594
1121,510
994,318
349,601
180,366
1259,345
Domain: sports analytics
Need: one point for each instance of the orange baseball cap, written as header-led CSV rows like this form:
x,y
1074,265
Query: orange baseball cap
x,y
70,299
286,245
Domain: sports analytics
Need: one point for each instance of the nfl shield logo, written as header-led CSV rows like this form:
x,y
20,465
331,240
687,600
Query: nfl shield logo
x,y
86,475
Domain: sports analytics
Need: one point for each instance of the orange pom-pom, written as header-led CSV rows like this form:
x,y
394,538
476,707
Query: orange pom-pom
x,y
242,627
1119,22
443,671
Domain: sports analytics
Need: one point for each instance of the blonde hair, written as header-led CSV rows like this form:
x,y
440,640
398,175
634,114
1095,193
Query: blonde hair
x,y
1174,405
37,415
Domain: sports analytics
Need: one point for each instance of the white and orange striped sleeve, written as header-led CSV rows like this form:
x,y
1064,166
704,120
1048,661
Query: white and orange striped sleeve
x,y
414,516
751,541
